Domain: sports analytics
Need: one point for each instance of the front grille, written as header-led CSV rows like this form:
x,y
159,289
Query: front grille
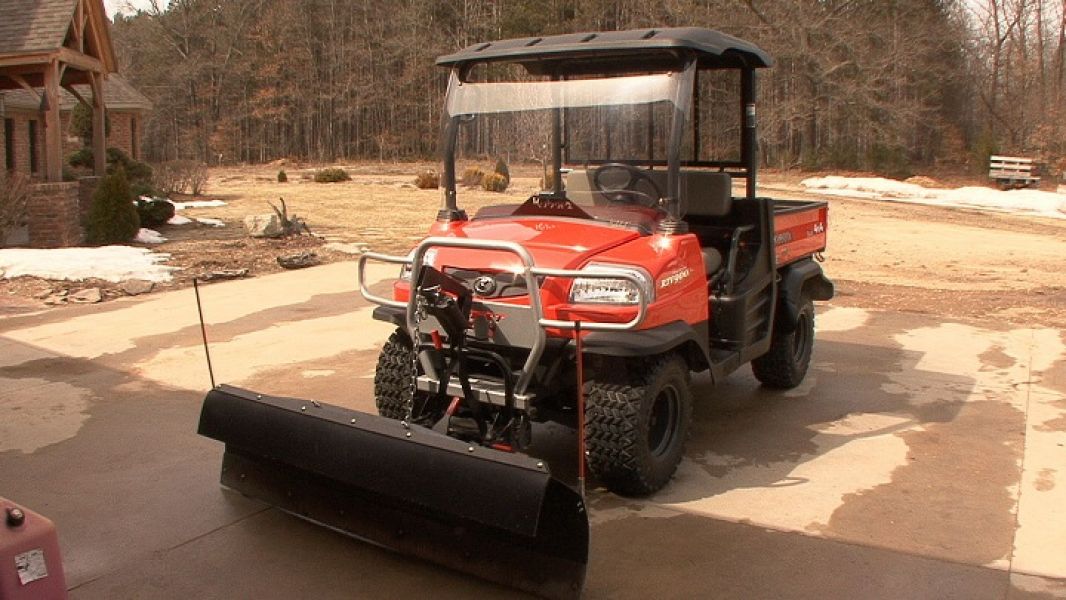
x,y
504,284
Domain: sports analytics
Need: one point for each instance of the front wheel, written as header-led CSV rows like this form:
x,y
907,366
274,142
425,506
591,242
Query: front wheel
x,y
393,381
635,426
785,365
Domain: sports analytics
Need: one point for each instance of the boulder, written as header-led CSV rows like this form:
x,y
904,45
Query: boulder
x,y
136,287
299,261
86,296
353,248
224,274
265,225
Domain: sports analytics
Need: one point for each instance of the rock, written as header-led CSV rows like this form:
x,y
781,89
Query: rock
x,y
42,293
299,261
224,274
922,180
348,248
86,296
56,299
136,287
265,225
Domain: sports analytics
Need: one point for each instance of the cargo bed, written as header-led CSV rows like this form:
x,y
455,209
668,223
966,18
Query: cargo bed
x,y
799,229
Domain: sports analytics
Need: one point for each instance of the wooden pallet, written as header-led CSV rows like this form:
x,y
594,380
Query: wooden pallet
x,y
1013,171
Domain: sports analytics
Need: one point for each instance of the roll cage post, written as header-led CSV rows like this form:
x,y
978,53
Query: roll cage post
x,y
450,210
749,140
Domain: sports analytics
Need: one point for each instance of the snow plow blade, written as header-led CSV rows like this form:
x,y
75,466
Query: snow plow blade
x,y
497,515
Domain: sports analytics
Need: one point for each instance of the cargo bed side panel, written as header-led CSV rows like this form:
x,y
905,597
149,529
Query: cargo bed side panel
x,y
799,230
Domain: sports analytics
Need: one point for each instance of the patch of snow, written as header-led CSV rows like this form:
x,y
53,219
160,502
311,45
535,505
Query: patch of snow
x,y
210,222
110,263
179,220
149,236
198,204
1025,202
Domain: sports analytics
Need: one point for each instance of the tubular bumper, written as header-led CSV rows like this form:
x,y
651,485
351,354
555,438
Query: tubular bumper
x,y
530,272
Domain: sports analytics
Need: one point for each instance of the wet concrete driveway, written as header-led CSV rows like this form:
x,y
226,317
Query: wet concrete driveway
x,y
921,459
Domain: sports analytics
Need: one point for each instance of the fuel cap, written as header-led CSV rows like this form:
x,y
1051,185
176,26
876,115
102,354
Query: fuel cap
x,y
15,516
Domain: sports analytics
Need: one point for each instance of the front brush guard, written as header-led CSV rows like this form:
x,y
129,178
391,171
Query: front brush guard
x,y
532,275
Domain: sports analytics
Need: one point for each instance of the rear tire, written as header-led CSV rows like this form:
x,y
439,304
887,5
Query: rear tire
x,y
392,380
786,364
635,427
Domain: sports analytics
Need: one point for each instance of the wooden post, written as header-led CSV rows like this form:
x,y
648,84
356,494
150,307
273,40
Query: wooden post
x,y
53,128
99,124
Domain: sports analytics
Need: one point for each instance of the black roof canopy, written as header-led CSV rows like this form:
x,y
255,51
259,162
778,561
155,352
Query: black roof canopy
x,y
634,49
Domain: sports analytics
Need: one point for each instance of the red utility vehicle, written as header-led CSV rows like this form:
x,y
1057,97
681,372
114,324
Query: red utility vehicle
x,y
636,266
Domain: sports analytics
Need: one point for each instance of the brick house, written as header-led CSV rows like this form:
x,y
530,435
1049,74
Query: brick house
x,y
23,136
50,49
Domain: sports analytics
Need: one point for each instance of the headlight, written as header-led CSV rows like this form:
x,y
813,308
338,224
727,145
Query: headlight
x,y
427,259
597,290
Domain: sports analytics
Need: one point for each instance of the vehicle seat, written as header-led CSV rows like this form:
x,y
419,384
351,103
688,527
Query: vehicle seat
x,y
579,187
712,260
703,193
707,194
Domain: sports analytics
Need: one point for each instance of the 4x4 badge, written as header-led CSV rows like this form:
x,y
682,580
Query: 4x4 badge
x,y
485,285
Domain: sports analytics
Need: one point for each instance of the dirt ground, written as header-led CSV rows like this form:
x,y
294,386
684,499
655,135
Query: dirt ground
x,y
952,262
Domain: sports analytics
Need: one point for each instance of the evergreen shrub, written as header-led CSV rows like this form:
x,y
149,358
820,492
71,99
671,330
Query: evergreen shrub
x,y
112,215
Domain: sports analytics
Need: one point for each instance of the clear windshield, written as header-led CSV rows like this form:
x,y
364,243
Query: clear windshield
x,y
485,98
625,119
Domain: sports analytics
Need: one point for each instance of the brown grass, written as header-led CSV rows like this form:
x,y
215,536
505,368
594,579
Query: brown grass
x,y
379,206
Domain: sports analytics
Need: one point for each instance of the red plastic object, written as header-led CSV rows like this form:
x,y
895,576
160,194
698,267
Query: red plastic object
x,y
30,563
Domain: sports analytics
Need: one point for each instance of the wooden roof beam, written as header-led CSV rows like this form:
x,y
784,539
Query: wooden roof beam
x,y
26,86
80,61
26,59
79,25
78,96
97,30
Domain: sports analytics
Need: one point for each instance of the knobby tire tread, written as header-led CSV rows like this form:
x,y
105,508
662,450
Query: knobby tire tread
x,y
392,379
777,368
613,417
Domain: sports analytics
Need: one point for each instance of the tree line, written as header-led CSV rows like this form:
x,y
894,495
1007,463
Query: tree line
x,y
884,85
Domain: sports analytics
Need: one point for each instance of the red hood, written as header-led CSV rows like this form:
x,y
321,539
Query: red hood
x,y
554,243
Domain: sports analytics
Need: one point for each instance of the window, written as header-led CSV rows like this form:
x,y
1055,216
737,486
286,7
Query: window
x,y
9,144
34,166
133,139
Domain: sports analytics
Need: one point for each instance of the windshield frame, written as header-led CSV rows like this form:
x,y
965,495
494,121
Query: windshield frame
x,y
682,85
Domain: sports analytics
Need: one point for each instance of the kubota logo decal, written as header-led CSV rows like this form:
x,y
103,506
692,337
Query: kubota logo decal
x,y
675,278
485,285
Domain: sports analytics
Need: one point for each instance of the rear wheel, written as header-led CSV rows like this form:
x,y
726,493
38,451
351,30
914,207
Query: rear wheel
x,y
786,364
393,379
635,426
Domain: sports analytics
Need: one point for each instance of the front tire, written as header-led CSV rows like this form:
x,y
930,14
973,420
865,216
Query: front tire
x,y
392,379
636,426
789,357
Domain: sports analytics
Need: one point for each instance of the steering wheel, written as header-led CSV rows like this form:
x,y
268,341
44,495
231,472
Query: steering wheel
x,y
626,193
